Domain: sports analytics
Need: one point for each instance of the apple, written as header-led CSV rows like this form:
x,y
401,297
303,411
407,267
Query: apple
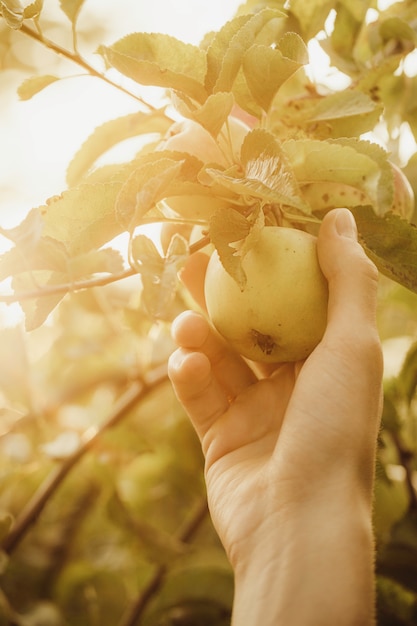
x,y
189,136
281,313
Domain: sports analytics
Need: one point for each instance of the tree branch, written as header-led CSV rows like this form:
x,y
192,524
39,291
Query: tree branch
x,y
85,284
136,393
185,535
78,60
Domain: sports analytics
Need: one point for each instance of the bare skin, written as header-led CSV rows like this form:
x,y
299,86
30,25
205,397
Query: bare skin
x,y
289,452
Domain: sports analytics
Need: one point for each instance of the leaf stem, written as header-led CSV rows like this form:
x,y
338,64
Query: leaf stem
x,y
28,516
75,57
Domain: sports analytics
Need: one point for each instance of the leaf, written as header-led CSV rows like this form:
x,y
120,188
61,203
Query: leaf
x,y
161,61
33,10
395,602
407,378
158,274
218,48
83,218
347,113
266,68
28,232
264,161
71,8
228,226
31,86
399,557
144,188
311,15
109,134
13,12
47,254
158,546
391,243
37,310
201,593
101,261
212,115
226,51
338,161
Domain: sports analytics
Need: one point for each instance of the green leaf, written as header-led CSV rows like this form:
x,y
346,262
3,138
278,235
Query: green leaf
x,y
395,602
347,113
111,133
47,254
101,261
311,15
201,593
266,69
407,378
144,188
13,12
398,559
212,115
158,274
265,162
391,243
71,8
83,218
161,61
228,226
37,310
33,10
226,51
31,86
335,161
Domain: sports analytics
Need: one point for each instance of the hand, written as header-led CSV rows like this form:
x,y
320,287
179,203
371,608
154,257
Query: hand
x,y
290,456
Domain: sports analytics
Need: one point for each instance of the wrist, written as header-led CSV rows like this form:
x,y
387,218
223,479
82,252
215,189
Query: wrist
x,y
313,567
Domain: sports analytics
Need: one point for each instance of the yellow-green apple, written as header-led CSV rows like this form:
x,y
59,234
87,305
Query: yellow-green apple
x,y
190,136
281,313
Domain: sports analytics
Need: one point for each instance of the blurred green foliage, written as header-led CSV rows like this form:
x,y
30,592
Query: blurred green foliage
x,y
103,517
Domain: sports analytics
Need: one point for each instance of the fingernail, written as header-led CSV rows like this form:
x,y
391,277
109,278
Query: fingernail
x,y
345,224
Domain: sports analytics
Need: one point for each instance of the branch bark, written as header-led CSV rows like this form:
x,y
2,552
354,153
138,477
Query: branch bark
x,y
136,393
74,57
185,535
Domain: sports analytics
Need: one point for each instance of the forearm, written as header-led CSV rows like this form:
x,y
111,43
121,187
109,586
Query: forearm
x,y
315,570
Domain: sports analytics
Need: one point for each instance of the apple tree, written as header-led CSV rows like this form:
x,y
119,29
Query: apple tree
x,y
103,516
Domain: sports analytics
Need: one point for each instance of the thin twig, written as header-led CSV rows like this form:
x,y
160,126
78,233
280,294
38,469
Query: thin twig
x,y
185,535
74,286
76,58
136,393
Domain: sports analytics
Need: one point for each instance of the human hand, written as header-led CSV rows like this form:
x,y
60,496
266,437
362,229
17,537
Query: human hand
x,y
296,447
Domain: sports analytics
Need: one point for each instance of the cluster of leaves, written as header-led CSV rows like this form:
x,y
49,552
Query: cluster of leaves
x,y
244,137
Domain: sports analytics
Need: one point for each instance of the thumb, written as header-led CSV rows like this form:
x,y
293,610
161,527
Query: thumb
x,y
351,275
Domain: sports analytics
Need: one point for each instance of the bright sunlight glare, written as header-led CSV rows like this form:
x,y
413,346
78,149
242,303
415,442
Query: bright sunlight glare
x,y
39,137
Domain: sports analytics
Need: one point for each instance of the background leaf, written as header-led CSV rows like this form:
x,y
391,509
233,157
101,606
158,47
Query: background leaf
x,y
159,60
71,8
391,243
111,133
31,86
